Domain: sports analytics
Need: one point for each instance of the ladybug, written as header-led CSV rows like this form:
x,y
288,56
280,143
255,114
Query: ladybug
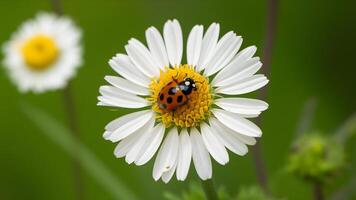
x,y
176,94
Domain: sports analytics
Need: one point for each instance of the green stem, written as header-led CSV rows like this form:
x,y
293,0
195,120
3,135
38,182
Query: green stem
x,y
73,125
209,190
72,120
62,136
318,191
271,22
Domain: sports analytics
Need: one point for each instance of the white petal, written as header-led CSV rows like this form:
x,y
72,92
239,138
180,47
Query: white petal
x,y
237,123
142,58
226,49
194,45
208,45
236,71
173,38
120,98
151,146
243,138
126,144
243,106
244,86
122,65
136,148
201,158
167,154
127,124
166,176
246,53
121,102
228,137
184,155
127,86
156,45
235,65
213,145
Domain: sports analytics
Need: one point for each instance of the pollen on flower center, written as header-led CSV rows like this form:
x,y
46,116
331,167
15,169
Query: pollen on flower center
x,y
39,52
172,105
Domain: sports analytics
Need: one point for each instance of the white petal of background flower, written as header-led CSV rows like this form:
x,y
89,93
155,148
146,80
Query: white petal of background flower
x,y
209,42
66,37
201,158
173,38
157,48
237,123
194,45
184,155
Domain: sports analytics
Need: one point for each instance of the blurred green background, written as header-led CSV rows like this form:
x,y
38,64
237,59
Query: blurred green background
x,y
313,57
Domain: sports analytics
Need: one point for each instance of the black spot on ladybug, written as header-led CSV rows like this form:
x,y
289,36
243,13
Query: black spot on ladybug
x,y
169,100
172,91
161,97
179,98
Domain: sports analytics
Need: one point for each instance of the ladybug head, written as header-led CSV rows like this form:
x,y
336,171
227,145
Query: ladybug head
x,y
190,83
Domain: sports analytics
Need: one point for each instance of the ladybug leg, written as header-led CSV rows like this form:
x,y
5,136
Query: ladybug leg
x,y
174,78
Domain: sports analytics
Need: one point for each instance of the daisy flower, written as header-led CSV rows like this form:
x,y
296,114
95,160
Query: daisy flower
x,y
44,53
187,111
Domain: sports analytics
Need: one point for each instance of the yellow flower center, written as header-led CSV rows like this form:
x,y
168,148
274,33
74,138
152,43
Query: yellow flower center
x,y
39,52
193,108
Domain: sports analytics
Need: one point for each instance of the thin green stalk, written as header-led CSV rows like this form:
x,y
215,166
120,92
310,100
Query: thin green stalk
x,y
306,117
271,22
209,190
61,136
72,120
318,191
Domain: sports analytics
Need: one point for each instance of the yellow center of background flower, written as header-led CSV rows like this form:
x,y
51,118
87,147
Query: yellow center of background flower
x,y
39,52
195,110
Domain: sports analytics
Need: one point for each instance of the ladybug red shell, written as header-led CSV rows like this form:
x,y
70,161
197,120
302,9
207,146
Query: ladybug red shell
x,y
175,94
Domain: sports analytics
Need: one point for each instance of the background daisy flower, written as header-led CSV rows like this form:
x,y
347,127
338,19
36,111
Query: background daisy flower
x,y
192,108
44,53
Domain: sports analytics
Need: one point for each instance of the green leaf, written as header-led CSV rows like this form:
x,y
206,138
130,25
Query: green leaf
x,y
61,136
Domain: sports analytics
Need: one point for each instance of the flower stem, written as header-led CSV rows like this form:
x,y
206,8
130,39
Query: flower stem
x,y
318,191
71,116
57,6
72,121
209,189
266,58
